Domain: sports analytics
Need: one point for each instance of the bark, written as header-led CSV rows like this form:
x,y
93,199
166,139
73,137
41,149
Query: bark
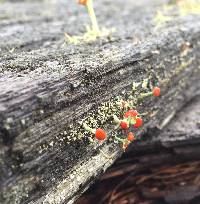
x,y
47,89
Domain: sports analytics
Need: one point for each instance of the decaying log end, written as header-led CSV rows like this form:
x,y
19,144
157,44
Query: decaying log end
x,y
49,87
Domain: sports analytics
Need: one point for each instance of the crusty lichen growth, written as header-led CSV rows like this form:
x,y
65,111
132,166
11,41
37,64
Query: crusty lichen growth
x,y
89,36
103,116
175,9
92,32
189,7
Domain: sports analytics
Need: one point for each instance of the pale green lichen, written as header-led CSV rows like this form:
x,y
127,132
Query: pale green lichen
x,y
189,7
176,9
102,116
92,32
161,18
106,110
89,36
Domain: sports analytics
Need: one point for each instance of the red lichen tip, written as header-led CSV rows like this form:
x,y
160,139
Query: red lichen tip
x,y
124,125
124,146
100,134
138,123
82,2
156,91
131,113
130,137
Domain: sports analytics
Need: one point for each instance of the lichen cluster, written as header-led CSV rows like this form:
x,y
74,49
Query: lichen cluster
x,y
92,32
103,115
175,9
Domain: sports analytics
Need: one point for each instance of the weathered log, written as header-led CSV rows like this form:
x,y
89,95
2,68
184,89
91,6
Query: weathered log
x,y
46,90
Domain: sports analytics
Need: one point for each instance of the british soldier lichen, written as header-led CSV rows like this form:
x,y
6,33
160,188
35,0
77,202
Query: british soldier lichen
x,y
107,120
115,114
92,32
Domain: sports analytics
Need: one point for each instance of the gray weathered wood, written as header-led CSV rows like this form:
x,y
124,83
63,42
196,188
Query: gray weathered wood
x,y
46,86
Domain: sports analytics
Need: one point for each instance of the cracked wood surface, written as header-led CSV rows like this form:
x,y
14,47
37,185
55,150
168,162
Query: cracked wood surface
x,y
46,86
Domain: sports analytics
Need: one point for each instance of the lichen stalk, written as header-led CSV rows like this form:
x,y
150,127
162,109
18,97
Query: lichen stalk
x,y
92,15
